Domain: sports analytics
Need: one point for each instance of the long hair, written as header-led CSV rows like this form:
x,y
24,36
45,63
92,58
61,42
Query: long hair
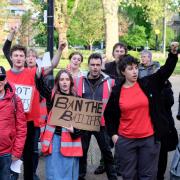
x,y
57,88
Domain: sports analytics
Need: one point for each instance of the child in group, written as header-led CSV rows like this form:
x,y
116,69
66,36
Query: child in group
x,y
61,145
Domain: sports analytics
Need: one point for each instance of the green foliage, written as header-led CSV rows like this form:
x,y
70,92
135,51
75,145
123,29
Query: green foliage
x,y
136,37
137,15
87,24
169,38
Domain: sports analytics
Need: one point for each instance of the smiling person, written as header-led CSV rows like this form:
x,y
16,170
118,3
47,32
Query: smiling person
x,y
62,160
12,126
135,120
76,58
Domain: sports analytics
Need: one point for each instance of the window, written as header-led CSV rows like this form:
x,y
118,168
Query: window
x,y
16,1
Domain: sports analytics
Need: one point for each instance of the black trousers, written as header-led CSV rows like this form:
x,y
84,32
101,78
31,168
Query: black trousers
x,y
163,158
103,143
28,152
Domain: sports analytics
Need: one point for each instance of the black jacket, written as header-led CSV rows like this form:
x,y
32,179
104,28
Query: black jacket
x,y
111,70
152,86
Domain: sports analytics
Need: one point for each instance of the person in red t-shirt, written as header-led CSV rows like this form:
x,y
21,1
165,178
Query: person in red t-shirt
x,y
21,76
135,120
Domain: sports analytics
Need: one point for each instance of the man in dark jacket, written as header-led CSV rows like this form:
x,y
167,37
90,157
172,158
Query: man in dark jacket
x,y
93,86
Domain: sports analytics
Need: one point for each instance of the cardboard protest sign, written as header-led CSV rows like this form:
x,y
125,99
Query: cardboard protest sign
x,y
82,113
26,95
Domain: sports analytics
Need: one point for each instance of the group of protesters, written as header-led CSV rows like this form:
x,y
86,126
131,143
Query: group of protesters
x,y
137,119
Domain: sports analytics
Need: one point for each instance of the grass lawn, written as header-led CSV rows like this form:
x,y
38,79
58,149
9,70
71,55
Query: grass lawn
x,y
157,56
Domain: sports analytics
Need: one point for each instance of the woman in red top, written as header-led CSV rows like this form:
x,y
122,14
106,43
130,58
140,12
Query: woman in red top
x,y
135,119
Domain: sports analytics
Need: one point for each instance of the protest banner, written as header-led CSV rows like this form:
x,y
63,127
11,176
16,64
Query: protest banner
x,y
81,113
26,95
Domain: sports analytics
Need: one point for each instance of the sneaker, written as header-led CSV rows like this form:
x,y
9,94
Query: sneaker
x,y
100,170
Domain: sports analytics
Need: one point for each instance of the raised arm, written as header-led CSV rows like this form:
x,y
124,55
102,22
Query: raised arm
x,y
8,43
56,58
167,69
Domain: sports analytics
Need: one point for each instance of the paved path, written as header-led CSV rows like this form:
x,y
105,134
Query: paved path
x,y
94,154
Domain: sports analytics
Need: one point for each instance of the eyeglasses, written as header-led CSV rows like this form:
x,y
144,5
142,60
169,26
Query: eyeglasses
x,y
2,78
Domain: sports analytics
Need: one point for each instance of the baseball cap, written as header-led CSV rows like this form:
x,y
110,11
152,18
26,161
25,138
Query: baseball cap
x,y
2,73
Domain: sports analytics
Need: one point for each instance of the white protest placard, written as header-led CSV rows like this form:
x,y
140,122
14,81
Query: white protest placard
x,y
45,61
81,113
16,166
26,95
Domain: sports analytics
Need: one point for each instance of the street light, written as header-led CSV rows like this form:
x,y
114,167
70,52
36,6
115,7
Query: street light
x,y
157,32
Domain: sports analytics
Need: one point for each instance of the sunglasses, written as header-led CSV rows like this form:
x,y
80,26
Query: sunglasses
x,y
2,78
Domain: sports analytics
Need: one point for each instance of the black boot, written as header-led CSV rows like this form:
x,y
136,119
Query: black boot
x,y
100,169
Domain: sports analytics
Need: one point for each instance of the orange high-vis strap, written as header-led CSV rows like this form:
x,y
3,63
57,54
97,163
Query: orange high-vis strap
x,y
107,88
43,117
70,147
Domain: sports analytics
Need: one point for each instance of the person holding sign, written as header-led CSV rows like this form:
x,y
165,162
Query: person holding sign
x,y
12,126
96,86
135,120
23,78
62,145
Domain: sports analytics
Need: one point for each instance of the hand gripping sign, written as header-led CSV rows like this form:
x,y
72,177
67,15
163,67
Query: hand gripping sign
x,y
26,95
80,113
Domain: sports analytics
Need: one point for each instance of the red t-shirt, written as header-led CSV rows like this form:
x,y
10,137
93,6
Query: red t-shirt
x,y
26,77
135,120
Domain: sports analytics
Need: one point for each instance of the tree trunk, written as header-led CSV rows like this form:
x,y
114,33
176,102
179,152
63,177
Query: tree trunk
x,y
61,23
110,10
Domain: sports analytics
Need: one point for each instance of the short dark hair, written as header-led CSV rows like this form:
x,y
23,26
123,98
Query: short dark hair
x,y
95,56
125,61
121,45
20,48
76,53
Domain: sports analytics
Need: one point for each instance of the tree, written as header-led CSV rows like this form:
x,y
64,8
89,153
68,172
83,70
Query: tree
x,y
64,11
110,11
25,29
4,15
136,37
87,25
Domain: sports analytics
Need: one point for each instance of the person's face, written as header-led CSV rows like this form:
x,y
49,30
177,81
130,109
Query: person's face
x,y
145,59
18,59
64,83
94,68
118,52
75,61
31,59
2,83
131,73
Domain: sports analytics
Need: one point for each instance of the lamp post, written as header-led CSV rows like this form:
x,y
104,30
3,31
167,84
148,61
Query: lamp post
x,y
50,38
50,26
157,32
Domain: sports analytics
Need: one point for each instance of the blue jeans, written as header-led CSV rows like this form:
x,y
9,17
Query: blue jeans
x,y
5,163
59,167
